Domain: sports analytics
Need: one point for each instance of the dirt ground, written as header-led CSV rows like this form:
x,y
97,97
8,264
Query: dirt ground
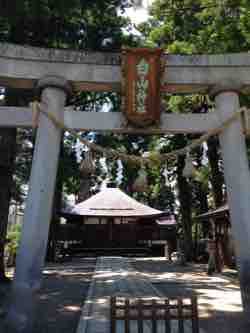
x,y
65,287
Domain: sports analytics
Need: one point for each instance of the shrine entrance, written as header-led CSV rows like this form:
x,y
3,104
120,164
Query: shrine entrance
x,y
55,73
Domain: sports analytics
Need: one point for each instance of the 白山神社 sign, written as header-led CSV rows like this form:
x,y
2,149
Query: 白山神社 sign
x,y
142,70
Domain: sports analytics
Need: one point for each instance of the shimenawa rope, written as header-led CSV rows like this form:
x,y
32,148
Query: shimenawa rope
x,y
112,153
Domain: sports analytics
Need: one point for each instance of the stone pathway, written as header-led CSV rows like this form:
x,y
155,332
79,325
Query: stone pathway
x,y
116,276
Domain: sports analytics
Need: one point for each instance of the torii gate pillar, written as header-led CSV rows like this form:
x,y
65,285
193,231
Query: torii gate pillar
x,y
31,254
237,178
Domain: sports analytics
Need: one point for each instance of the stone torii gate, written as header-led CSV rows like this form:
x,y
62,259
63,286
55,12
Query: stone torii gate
x,y
55,72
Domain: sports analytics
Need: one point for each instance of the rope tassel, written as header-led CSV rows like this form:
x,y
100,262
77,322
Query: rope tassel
x,y
189,169
141,182
87,165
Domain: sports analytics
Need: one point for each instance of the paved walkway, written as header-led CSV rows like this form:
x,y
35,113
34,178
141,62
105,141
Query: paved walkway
x,y
116,276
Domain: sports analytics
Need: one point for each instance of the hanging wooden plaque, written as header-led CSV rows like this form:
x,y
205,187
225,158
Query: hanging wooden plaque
x,y
142,71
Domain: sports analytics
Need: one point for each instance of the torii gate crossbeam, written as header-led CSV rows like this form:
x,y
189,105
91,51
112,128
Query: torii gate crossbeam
x,y
54,70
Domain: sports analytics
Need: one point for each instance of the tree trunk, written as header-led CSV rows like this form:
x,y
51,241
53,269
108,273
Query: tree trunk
x,y
217,179
185,198
201,192
7,153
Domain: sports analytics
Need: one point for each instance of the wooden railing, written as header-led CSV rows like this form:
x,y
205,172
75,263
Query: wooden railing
x,y
154,312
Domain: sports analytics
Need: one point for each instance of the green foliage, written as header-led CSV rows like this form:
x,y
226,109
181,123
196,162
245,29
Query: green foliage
x,y
196,26
13,237
202,176
200,26
61,23
191,27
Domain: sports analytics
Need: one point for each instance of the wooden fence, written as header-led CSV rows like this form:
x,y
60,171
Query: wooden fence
x,y
163,311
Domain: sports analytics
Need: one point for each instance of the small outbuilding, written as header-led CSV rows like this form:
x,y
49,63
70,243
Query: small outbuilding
x,y
219,226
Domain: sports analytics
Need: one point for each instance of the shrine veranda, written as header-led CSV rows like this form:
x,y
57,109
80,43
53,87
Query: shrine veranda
x,y
54,73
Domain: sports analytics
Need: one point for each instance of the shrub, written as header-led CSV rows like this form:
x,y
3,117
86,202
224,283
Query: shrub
x,y
13,239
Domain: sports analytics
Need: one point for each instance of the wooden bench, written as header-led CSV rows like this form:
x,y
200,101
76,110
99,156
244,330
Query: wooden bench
x,y
155,313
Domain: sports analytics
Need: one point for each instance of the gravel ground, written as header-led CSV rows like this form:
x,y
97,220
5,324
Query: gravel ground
x,y
219,298
64,289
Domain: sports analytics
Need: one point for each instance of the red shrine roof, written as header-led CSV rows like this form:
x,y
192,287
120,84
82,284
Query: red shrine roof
x,y
112,202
